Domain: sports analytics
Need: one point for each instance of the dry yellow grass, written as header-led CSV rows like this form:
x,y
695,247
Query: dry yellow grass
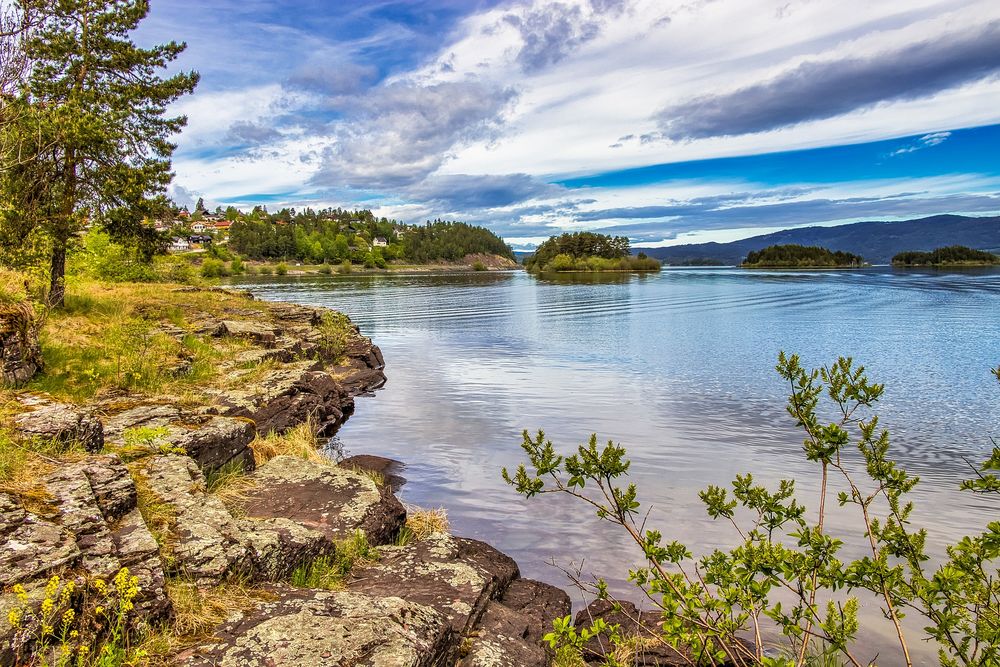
x,y
300,441
197,611
422,522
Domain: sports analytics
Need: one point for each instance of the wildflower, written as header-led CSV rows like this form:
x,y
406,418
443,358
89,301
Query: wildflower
x,y
68,616
83,650
46,630
52,587
47,606
100,586
99,610
22,595
14,617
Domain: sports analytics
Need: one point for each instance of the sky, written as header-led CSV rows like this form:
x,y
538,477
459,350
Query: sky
x,y
666,121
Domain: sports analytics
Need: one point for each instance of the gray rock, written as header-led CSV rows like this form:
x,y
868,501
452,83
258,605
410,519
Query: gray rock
x,y
20,353
34,547
259,333
137,550
452,575
277,546
205,542
212,440
79,513
288,395
331,500
51,420
111,485
539,603
500,640
328,629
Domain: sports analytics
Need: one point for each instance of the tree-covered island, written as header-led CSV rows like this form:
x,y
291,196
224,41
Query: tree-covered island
x,y
794,256
956,255
587,251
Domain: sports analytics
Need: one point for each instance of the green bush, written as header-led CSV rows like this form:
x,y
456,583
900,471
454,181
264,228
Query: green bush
x,y
326,269
478,266
174,269
281,269
236,266
100,257
213,268
786,567
345,267
266,269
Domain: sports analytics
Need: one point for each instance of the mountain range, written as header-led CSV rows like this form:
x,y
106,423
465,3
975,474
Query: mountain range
x,y
877,242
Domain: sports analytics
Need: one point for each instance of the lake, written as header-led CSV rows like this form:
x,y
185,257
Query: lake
x,y
679,368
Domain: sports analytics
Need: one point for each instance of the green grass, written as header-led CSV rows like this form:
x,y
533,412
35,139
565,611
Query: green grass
x,y
329,572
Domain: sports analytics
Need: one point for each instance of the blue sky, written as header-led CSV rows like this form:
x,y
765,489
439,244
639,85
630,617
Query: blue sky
x,y
667,121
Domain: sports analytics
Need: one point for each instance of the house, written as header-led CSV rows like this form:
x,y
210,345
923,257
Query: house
x,y
379,242
202,239
180,245
198,227
223,224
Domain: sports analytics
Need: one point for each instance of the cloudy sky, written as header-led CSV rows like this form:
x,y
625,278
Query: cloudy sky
x,y
668,121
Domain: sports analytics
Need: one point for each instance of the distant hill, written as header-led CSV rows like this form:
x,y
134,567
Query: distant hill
x,y
877,242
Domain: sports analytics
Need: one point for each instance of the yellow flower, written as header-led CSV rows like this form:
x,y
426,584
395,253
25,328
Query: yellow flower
x,y
14,617
68,615
52,587
83,650
100,586
99,610
22,595
74,634
46,630
47,606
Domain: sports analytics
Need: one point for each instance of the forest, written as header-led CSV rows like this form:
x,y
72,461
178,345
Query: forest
x,y
948,256
335,236
798,256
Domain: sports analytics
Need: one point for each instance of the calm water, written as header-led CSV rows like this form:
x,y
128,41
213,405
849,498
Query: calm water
x,y
679,367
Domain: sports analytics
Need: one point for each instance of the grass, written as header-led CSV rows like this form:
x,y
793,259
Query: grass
x,y
159,516
300,442
230,484
335,332
198,611
421,523
329,572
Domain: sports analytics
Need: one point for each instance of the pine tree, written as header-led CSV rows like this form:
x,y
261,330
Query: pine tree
x,y
92,117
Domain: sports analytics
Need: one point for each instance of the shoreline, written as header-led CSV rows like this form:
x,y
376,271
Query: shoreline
x,y
296,508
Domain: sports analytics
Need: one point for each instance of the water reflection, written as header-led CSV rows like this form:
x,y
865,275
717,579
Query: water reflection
x,y
678,366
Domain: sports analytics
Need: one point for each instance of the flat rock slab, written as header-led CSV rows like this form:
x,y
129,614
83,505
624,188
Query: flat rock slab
x,y
52,420
205,541
391,470
328,629
261,334
511,630
212,440
324,498
453,575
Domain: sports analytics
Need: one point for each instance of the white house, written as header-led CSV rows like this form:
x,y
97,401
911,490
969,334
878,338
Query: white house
x,y
379,242
198,227
180,245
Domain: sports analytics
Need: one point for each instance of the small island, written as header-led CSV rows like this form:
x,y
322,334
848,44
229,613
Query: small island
x,y
793,256
588,252
956,255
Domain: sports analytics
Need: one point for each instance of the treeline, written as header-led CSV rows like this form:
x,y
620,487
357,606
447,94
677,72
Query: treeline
x,y
799,256
588,251
951,255
578,245
450,241
335,236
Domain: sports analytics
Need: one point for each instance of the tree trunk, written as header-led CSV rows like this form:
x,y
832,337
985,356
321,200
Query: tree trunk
x,y
57,284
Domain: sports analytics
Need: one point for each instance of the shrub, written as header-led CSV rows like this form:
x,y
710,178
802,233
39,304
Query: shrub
x,y
281,269
345,267
785,567
478,266
326,269
213,268
236,266
266,269
335,331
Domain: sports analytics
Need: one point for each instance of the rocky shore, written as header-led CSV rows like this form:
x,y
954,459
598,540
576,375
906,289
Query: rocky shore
x,y
139,498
